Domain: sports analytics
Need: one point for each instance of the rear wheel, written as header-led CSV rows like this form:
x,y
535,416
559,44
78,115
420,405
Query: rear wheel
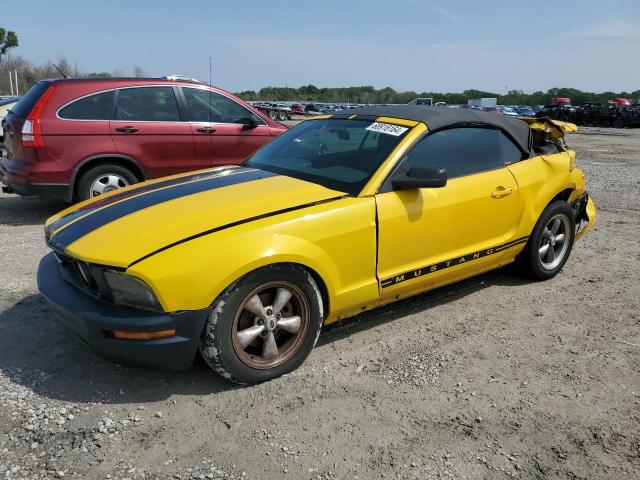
x,y
273,115
282,115
550,243
264,325
104,179
618,123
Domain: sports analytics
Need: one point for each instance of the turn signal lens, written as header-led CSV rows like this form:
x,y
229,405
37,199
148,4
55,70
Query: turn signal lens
x,y
141,335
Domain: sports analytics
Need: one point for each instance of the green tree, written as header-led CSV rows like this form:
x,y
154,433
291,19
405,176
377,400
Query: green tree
x,y
8,39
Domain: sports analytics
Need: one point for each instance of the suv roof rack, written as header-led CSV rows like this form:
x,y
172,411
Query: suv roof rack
x,y
181,78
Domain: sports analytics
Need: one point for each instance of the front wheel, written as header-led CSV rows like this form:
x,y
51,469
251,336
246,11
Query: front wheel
x,y
264,325
550,243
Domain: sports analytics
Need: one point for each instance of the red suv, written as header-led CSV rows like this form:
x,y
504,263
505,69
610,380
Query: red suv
x,y
77,138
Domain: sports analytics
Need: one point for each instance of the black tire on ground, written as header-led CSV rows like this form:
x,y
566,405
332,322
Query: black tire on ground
x,y
125,177
273,115
282,115
530,260
221,345
618,123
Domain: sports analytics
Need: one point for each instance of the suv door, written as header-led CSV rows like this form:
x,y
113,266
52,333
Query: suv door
x,y
467,225
147,127
219,126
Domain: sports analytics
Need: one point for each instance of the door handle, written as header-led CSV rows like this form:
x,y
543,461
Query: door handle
x,y
502,192
206,130
127,129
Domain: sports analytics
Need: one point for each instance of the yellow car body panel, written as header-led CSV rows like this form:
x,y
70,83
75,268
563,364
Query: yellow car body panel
x,y
191,215
365,250
335,239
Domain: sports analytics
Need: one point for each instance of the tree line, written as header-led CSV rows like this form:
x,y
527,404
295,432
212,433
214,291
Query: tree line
x,y
30,73
369,94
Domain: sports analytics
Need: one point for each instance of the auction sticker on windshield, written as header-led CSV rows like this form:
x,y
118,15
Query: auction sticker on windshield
x,y
387,128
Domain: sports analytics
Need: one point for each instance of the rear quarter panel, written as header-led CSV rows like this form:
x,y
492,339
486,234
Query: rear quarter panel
x,y
336,239
69,142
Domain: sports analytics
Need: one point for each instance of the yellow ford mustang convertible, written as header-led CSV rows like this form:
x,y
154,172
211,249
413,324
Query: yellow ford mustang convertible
x,y
340,214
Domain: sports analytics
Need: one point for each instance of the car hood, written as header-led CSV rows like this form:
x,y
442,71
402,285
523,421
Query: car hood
x,y
120,228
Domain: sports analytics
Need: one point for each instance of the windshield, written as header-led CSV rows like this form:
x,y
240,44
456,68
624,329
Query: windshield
x,y
336,153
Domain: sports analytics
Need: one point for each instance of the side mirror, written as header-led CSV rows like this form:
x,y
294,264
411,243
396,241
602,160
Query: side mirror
x,y
249,122
420,177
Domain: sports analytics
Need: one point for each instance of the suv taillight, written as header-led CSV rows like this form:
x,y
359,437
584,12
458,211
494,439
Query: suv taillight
x,y
31,130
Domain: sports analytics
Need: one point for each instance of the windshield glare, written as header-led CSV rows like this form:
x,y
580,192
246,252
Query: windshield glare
x,y
336,153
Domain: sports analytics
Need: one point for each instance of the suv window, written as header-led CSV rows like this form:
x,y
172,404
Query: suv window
x,y
93,107
26,103
461,151
208,106
147,104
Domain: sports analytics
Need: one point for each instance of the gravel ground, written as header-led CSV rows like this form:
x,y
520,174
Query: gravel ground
x,y
494,377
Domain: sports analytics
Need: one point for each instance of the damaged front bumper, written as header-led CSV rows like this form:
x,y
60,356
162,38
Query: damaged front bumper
x,y
585,214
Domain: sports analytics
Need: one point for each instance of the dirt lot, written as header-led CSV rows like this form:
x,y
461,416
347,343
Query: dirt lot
x,y
494,377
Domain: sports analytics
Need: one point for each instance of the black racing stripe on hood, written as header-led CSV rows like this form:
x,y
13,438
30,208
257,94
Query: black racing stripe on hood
x,y
113,212
143,188
234,224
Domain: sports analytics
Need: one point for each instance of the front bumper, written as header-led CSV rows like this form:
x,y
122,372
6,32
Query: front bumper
x,y
89,317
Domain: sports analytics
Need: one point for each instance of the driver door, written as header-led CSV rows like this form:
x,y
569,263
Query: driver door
x,y
434,236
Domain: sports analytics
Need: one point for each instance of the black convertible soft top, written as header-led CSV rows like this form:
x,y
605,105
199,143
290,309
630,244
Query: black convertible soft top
x,y
436,118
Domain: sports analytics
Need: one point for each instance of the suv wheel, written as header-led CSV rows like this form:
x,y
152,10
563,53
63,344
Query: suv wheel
x,y
104,179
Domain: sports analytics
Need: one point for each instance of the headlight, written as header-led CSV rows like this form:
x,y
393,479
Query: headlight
x,y
128,290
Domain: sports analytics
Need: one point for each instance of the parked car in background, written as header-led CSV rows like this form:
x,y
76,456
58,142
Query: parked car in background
x,y
561,111
508,111
525,112
493,110
6,104
297,109
314,109
78,138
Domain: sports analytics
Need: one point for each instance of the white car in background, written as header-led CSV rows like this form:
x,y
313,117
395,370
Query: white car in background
x,y
6,104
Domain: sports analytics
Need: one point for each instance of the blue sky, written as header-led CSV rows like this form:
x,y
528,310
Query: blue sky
x,y
405,44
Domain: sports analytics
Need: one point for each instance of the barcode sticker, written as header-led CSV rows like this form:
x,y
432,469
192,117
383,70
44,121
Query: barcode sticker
x,y
387,128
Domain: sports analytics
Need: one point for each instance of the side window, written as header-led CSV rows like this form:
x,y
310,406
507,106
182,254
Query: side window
x,y
206,106
510,153
147,104
460,151
93,107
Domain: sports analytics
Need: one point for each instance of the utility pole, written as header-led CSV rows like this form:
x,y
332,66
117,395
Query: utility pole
x,y
11,83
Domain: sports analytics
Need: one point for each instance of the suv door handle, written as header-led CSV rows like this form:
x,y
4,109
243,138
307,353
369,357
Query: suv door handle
x,y
502,192
206,130
127,129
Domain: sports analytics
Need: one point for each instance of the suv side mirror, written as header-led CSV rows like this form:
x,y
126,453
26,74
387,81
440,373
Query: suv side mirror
x,y
249,122
422,176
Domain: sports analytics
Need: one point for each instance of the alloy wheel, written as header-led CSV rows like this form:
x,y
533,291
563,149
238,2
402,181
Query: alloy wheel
x,y
107,183
554,242
270,325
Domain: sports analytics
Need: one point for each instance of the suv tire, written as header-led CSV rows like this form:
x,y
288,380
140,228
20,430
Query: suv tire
x,y
103,179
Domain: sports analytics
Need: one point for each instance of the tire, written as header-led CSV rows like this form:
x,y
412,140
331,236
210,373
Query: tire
x,y
273,115
543,266
618,123
94,179
237,340
282,115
